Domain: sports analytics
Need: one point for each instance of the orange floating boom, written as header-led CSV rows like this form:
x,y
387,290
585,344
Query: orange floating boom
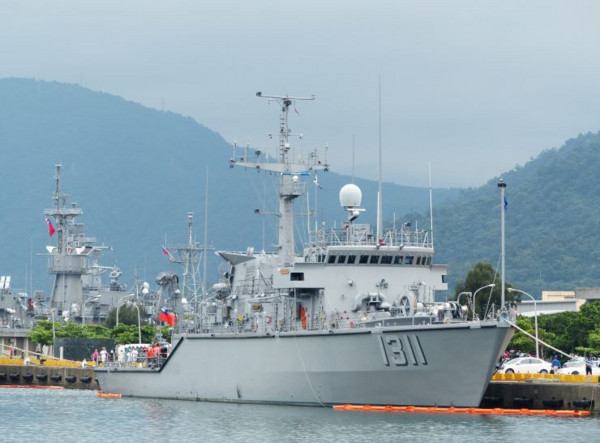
x,y
107,395
453,410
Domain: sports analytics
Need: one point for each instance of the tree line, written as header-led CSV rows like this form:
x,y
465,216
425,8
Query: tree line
x,y
45,331
571,332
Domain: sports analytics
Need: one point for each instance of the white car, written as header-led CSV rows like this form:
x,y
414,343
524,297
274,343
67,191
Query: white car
x,y
524,365
576,367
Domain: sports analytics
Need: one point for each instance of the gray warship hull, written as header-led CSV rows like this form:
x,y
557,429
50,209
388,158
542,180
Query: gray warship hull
x,y
429,365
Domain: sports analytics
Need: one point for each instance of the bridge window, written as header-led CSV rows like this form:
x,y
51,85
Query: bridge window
x,y
331,259
374,259
428,261
341,259
398,259
419,260
386,260
409,260
297,276
364,259
351,259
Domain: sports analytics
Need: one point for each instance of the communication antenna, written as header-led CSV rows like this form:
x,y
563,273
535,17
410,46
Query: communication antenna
x,y
380,190
284,132
430,205
353,146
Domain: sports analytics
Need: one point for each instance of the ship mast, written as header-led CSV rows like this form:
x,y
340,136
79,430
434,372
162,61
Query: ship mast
x,y
68,260
189,257
289,184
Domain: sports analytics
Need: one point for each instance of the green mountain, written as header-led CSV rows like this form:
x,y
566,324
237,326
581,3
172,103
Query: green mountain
x,y
551,222
136,172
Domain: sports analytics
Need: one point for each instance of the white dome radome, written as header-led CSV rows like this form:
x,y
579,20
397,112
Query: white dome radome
x,y
350,196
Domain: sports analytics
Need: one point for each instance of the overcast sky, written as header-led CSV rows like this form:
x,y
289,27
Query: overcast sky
x,y
472,87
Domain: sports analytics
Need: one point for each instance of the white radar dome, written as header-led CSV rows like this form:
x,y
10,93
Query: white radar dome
x,y
350,196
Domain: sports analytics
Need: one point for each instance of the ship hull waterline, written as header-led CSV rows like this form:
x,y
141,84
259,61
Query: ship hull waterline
x,y
429,365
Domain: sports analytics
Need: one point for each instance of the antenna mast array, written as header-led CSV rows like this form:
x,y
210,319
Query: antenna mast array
x,y
289,187
189,259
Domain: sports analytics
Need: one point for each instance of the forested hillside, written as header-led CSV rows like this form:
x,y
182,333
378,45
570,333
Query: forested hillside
x,y
552,221
136,172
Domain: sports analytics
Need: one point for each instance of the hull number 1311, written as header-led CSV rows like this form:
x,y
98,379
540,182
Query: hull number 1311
x,y
402,350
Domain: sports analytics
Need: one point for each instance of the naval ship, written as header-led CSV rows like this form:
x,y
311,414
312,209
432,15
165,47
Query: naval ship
x,y
352,318
80,292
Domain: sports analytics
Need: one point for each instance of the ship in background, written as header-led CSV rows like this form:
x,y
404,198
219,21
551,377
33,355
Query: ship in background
x,y
352,318
80,292
16,307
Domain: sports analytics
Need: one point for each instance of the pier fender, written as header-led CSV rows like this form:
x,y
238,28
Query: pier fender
x,y
56,377
71,378
27,377
42,377
492,401
553,403
85,379
583,403
522,402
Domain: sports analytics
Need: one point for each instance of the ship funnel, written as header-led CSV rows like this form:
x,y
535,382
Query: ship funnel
x,y
350,196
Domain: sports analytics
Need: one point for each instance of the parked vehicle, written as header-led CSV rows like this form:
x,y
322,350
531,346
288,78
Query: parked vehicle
x,y
577,367
524,365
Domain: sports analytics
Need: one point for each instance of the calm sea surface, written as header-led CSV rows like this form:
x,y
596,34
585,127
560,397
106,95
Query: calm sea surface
x,y
36,415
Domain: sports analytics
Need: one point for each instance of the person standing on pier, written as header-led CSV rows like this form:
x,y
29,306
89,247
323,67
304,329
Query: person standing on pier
x,y
103,356
588,366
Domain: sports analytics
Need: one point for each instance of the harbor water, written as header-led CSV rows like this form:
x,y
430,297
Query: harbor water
x,y
38,415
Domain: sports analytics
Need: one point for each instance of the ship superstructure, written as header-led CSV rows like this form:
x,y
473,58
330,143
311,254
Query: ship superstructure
x,y
16,307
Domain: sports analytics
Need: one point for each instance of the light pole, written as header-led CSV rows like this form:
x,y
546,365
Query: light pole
x,y
468,294
93,298
475,294
139,323
537,346
53,332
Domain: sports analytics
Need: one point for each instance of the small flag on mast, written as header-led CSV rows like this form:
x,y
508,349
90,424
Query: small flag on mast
x,y
316,181
51,229
166,251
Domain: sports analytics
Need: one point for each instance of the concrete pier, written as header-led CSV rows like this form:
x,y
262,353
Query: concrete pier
x,y
67,377
543,394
